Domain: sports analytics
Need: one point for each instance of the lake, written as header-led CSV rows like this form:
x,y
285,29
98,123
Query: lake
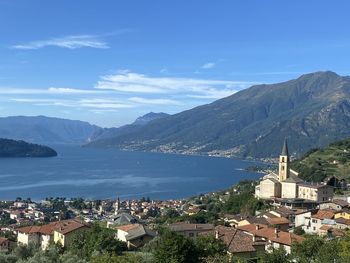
x,y
98,173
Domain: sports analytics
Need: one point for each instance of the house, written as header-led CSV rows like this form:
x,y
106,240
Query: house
x,y
273,237
342,223
233,220
281,223
302,218
122,218
4,244
239,243
64,231
335,204
344,213
288,213
191,230
314,223
135,235
331,232
40,235
315,192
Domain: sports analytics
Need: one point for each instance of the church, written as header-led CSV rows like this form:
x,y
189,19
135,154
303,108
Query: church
x,y
287,184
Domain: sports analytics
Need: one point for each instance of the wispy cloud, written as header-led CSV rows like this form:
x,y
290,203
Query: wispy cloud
x,y
51,90
129,82
70,42
82,103
208,65
154,101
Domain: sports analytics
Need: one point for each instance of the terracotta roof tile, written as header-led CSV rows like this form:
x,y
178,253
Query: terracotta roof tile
x,y
278,221
67,226
324,214
273,234
128,227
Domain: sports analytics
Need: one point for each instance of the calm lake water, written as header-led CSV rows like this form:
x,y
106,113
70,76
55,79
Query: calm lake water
x,y
96,173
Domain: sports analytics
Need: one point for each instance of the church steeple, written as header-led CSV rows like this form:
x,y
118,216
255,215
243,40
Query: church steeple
x,y
285,149
283,166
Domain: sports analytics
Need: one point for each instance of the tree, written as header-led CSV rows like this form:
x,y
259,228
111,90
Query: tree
x,y
96,239
344,248
175,248
209,246
275,256
307,250
329,252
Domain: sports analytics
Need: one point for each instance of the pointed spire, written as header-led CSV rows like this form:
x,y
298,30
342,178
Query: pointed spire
x,y
285,148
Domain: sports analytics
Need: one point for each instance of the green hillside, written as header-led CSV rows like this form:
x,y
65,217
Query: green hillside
x,y
318,164
12,148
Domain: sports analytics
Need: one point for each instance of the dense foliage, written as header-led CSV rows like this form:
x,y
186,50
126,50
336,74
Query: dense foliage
x,y
12,148
317,164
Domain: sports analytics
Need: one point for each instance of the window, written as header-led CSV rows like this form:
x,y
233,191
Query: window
x,y
314,228
282,159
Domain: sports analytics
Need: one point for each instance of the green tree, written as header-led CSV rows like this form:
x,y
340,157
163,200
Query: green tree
x,y
96,239
307,250
329,252
275,256
175,248
209,246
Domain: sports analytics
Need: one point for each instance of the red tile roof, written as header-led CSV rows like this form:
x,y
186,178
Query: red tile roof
x,y
278,221
324,214
236,240
273,235
67,226
63,227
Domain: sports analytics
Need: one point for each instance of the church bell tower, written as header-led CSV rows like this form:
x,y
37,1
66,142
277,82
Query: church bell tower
x,y
283,166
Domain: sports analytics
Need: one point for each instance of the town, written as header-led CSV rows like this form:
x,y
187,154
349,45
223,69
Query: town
x,y
252,218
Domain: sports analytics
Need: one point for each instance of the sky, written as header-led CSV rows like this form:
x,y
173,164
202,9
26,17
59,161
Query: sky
x,y
108,62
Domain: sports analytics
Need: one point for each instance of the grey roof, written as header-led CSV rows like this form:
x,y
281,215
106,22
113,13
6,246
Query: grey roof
x,y
182,226
293,179
139,231
124,219
285,148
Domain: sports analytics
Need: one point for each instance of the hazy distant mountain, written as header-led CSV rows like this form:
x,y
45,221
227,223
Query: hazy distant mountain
x,y
310,111
45,130
133,127
12,148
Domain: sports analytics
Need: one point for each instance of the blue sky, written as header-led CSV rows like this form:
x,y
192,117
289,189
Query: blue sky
x,y
108,62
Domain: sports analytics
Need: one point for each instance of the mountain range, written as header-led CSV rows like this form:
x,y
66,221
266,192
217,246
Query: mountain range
x,y
310,111
129,128
46,130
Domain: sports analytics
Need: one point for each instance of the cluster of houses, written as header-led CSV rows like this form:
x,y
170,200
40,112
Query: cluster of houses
x,y
296,207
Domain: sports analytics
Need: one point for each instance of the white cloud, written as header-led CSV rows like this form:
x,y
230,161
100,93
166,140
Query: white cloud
x,y
52,90
82,103
70,42
129,82
154,101
208,65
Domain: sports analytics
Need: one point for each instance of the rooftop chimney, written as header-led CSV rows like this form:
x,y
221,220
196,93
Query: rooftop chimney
x,y
256,227
276,232
216,234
